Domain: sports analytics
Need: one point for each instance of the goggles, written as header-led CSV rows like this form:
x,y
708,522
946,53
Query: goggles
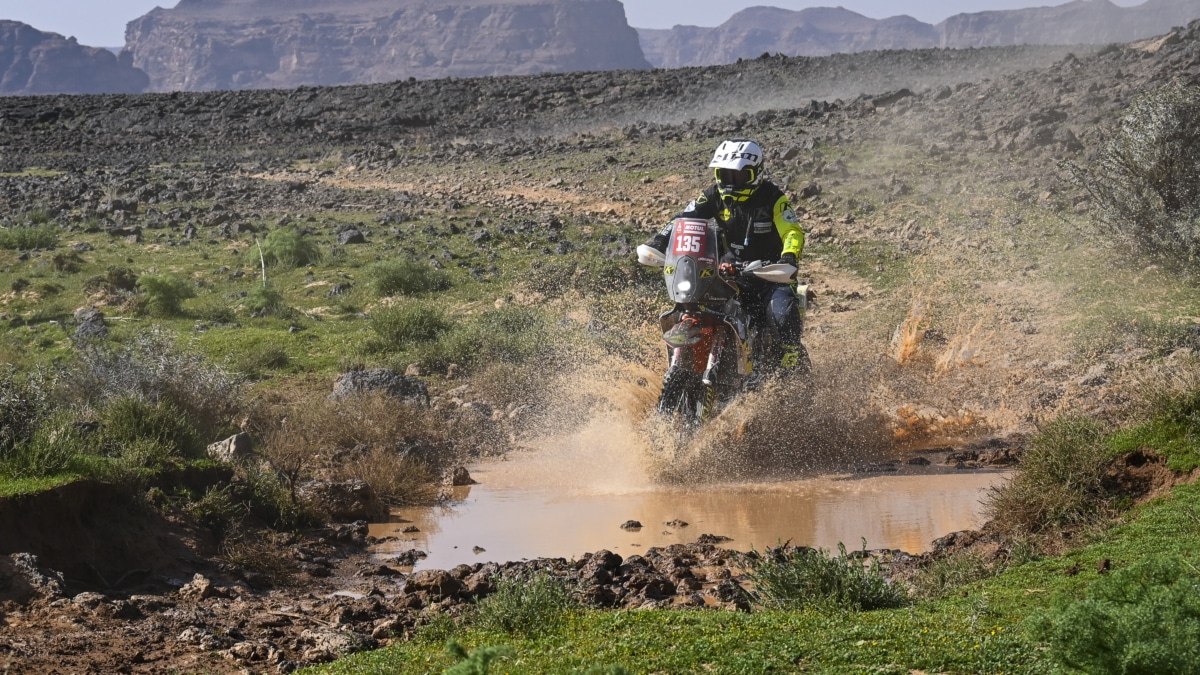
x,y
735,177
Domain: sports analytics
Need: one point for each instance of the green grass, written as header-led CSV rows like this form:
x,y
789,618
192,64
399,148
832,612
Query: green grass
x,y
27,238
1177,440
26,486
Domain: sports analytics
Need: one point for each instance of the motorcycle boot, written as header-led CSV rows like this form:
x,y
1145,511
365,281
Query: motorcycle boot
x,y
785,314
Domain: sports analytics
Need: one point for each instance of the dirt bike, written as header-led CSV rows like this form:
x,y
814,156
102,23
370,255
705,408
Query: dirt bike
x,y
713,346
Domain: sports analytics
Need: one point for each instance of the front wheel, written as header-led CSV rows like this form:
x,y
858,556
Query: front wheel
x,y
686,398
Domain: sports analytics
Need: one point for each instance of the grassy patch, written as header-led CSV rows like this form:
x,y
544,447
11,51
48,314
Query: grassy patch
x,y
287,247
1060,484
1141,619
12,487
525,606
404,277
28,238
807,577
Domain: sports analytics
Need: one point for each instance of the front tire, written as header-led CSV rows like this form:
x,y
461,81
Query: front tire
x,y
685,398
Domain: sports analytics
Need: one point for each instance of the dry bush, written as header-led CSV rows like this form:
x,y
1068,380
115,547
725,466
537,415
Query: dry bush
x,y
398,479
1061,483
263,555
398,448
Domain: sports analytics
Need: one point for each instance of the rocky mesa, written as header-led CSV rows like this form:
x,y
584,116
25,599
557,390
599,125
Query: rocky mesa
x,y
821,31
250,44
36,62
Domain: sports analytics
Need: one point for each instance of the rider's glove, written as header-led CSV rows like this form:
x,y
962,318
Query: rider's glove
x,y
727,270
788,258
658,242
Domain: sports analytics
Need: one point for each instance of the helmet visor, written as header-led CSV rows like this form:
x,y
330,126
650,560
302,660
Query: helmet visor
x,y
734,177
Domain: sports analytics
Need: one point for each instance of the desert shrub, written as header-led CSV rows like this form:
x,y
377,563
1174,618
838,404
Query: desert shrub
x,y
261,555
404,277
397,478
151,367
272,500
22,403
287,247
950,573
57,446
374,437
525,605
114,280
218,512
1141,619
129,419
510,335
265,300
1143,180
164,294
28,238
256,359
791,578
401,326
1061,479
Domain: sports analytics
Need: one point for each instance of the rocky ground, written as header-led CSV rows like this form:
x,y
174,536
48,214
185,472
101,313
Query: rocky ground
x,y
161,171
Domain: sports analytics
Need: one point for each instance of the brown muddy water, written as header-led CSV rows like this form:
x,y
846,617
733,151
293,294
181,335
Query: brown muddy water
x,y
535,505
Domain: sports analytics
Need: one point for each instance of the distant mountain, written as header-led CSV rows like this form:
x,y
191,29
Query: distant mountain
x,y
36,62
822,31
245,44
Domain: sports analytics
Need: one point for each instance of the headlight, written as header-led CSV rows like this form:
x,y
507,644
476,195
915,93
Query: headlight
x,y
683,286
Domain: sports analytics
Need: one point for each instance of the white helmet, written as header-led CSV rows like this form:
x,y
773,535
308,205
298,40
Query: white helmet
x,y
738,167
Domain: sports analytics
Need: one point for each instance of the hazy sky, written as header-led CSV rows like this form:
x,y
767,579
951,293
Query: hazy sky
x,y
101,23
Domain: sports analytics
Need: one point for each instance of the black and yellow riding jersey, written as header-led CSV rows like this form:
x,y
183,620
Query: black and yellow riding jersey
x,y
761,227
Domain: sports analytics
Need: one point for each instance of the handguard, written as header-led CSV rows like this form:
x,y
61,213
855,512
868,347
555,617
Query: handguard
x,y
651,257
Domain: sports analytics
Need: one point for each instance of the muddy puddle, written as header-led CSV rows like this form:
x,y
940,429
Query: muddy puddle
x,y
530,508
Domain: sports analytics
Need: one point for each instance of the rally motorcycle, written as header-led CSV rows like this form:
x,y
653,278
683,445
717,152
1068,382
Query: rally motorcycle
x,y
713,347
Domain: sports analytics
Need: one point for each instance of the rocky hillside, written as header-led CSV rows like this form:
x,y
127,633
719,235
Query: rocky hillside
x,y
252,44
821,31
34,62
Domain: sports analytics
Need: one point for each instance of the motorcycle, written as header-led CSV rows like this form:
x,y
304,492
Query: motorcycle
x,y
713,346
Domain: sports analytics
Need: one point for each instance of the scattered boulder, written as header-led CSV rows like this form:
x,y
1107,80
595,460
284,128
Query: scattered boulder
x,y
348,237
22,579
631,525
91,324
237,447
404,387
200,588
344,501
458,477
439,584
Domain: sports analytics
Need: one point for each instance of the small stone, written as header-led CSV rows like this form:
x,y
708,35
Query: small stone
x,y
459,477
631,525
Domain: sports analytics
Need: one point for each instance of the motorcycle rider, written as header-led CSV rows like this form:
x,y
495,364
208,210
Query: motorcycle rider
x,y
759,224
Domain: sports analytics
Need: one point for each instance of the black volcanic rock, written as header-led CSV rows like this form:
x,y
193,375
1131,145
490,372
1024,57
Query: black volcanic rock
x,y
822,31
35,62
252,44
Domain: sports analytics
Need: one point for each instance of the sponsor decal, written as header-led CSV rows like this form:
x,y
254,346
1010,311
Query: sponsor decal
x,y
705,274
789,216
668,271
695,228
706,261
